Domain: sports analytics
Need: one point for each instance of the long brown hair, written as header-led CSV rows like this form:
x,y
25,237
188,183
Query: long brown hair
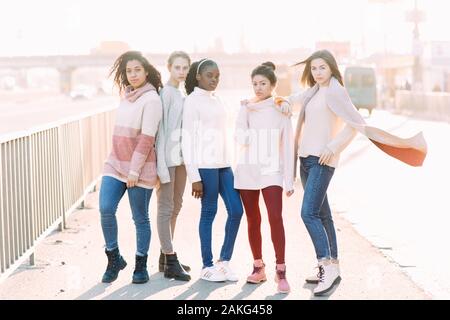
x,y
120,73
307,77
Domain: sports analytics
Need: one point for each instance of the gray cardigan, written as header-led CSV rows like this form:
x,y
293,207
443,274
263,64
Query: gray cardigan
x,y
168,140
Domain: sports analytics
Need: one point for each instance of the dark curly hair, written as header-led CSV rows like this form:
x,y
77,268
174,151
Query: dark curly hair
x,y
120,73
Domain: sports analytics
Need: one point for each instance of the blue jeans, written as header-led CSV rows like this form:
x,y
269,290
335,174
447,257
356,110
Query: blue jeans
x,y
111,191
215,182
316,212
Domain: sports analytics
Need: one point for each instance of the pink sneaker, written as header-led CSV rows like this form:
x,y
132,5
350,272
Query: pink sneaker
x,y
258,275
280,278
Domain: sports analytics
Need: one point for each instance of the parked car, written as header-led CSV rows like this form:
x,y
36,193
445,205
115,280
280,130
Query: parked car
x,y
82,92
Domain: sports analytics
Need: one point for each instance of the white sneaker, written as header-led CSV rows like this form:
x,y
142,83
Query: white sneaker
x,y
335,264
224,266
212,274
328,277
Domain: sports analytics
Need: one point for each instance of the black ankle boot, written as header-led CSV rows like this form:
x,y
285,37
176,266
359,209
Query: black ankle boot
x,y
140,274
115,263
162,263
174,270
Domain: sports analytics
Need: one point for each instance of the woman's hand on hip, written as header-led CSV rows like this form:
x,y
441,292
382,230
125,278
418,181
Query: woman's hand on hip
x,y
326,156
197,189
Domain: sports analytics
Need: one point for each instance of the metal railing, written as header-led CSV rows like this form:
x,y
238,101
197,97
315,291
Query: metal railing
x,y
45,174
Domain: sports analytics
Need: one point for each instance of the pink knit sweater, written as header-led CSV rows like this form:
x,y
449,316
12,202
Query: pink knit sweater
x,y
133,145
265,142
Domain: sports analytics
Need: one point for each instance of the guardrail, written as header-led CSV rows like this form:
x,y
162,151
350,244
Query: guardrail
x,y
430,105
45,174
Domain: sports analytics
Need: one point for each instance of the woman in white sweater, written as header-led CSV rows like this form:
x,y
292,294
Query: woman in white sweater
x,y
265,163
207,160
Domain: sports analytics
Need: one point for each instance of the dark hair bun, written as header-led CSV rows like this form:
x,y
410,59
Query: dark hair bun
x,y
269,64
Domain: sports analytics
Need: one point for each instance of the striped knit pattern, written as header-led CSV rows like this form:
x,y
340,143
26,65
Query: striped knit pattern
x,y
133,141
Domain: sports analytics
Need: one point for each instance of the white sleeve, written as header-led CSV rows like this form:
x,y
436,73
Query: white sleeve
x,y
189,138
288,154
342,139
241,134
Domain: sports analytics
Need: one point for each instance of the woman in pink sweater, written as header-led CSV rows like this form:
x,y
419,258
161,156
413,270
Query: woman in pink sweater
x,y
265,163
131,165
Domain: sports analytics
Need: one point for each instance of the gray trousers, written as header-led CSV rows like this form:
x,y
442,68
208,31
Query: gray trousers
x,y
170,200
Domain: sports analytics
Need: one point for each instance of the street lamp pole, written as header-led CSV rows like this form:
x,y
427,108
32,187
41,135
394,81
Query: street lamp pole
x,y
416,17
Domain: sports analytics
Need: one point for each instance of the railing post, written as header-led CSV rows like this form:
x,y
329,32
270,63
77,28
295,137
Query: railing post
x,y
2,243
62,225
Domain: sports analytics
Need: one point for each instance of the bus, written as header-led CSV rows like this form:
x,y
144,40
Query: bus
x,y
360,82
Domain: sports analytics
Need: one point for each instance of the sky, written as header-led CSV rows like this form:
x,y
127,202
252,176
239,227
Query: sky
x,y
51,27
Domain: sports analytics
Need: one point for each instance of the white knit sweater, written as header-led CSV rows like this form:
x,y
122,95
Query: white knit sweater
x,y
204,133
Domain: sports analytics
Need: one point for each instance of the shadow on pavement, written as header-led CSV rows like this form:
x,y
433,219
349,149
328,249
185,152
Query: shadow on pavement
x,y
247,290
133,291
201,289
327,296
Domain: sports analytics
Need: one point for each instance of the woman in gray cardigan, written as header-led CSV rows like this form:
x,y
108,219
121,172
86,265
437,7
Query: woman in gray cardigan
x,y
171,170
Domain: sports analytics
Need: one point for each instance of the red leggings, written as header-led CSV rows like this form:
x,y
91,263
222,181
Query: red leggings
x,y
273,196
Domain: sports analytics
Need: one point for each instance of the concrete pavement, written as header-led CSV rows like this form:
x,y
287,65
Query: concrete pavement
x,y
401,209
69,264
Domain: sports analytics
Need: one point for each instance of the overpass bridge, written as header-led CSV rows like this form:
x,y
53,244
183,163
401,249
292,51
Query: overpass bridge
x,y
235,68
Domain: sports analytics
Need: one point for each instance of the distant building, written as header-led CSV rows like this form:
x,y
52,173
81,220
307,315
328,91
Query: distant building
x,y
113,48
217,47
437,65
